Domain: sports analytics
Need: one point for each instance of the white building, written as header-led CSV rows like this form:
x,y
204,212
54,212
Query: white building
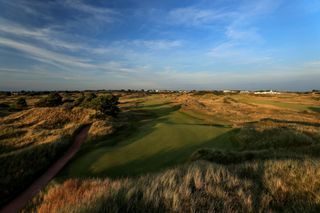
x,y
267,93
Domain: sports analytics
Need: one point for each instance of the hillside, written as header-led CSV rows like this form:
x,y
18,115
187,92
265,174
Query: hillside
x,y
191,153
33,139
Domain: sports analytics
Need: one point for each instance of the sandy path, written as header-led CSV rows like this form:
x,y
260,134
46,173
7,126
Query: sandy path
x,y
20,201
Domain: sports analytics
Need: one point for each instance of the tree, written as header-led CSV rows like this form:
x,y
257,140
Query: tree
x,y
89,97
78,100
52,100
106,104
20,103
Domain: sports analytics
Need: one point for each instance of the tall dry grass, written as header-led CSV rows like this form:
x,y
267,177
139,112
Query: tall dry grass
x,y
238,112
277,171
31,140
257,186
44,125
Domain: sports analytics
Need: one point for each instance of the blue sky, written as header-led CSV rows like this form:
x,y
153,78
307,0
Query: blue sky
x,y
167,44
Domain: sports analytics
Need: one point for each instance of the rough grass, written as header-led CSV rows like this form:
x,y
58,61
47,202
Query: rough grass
x,y
31,140
44,125
263,158
239,109
257,186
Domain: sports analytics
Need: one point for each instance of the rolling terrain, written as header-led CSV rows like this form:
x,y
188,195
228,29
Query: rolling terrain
x,y
161,135
186,152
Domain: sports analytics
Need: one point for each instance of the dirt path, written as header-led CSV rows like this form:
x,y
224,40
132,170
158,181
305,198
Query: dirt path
x,y
20,201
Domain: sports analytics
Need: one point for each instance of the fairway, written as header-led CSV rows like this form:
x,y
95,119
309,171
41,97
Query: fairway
x,y
166,139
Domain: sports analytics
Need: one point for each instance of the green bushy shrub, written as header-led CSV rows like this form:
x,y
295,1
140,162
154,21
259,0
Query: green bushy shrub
x,y
78,101
274,138
105,104
20,103
52,100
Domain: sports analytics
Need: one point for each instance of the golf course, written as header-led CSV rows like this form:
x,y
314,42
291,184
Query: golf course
x,y
143,152
159,136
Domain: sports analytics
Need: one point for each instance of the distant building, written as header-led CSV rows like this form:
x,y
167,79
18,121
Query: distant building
x,y
270,92
230,91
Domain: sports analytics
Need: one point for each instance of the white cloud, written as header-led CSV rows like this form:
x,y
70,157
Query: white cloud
x,y
235,53
194,16
49,39
44,55
97,13
45,35
244,34
149,44
313,64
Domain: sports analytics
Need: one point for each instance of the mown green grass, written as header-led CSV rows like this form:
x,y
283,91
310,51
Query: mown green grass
x,y
164,139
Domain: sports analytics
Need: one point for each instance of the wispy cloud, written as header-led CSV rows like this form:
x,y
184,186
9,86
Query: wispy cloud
x,y
45,35
237,33
81,14
97,13
197,17
286,79
43,54
140,46
149,44
313,64
61,41
236,53
242,27
242,38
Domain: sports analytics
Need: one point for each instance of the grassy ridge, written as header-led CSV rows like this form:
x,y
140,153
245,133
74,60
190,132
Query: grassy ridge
x,y
258,158
273,179
19,169
31,140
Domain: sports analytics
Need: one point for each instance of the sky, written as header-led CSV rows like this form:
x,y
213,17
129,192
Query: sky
x,y
160,44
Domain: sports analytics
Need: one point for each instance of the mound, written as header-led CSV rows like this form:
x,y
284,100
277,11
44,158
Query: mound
x,y
44,125
31,140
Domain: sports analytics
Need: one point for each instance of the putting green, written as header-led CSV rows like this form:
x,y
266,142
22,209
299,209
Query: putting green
x,y
165,139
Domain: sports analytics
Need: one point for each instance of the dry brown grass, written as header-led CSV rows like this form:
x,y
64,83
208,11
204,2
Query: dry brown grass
x,y
272,180
265,186
31,140
238,111
45,125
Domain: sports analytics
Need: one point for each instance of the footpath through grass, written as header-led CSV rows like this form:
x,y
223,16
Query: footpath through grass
x,y
164,138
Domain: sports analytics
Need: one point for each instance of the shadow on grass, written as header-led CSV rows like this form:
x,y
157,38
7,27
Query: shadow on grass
x,y
281,201
141,123
123,203
158,161
154,105
289,122
200,124
294,201
315,109
137,198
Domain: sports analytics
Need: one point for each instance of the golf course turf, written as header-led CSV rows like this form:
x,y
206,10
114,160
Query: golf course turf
x,y
163,136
